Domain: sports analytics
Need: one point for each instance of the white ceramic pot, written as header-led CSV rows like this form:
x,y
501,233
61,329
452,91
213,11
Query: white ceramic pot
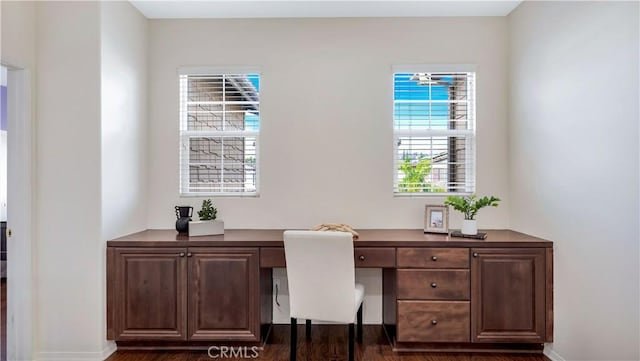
x,y
469,227
206,228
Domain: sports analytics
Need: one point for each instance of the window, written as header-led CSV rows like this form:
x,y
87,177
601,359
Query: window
x,y
219,131
434,131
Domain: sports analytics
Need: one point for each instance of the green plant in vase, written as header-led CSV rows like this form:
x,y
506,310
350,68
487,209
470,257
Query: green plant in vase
x,y
208,225
208,212
469,206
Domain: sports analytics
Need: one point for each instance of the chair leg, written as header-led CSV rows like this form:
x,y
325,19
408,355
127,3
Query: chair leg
x,y
351,342
308,330
359,319
294,339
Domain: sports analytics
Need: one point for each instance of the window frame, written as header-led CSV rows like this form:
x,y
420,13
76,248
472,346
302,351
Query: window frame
x,y
184,134
469,134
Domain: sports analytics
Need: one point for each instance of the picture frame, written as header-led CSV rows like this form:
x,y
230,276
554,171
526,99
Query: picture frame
x,y
436,219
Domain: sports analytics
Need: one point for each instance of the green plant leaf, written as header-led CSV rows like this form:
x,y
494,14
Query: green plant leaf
x,y
208,212
471,204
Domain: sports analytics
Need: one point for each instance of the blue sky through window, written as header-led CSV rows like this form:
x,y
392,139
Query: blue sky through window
x,y
255,80
413,103
252,120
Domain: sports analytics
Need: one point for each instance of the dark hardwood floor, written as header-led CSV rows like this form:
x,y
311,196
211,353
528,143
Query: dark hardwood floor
x,y
329,343
3,321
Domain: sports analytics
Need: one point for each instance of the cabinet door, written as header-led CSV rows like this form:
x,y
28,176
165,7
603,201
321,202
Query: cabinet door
x,y
149,293
508,295
224,294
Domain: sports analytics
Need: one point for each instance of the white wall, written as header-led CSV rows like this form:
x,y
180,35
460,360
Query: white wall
x,y
573,148
69,253
18,34
326,128
124,119
124,123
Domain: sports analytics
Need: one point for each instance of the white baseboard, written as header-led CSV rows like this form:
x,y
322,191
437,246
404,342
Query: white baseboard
x,y
69,356
552,354
78,356
108,350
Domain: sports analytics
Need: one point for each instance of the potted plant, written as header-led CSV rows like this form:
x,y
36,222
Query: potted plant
x,y
207,225
469,206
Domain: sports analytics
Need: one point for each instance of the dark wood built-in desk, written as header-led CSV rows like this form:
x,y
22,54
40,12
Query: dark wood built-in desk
x,y
439,293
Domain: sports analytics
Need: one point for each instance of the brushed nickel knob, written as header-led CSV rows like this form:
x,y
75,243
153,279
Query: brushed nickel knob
x,y
434,285
181,254
434,322
189,254
361,257
475,254
434,258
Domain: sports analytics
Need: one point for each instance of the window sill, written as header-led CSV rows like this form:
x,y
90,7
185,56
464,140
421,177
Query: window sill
x,y
429,195
220,195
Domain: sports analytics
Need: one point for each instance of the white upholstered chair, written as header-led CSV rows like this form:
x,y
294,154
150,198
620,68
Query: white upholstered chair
x,y
322,285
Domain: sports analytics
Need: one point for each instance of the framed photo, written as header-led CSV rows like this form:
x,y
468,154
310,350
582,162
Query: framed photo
x,y
436,219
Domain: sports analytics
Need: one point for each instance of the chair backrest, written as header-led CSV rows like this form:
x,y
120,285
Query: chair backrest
x,y
321,275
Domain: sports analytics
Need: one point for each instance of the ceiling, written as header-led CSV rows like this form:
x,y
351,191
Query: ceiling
x,y
154,9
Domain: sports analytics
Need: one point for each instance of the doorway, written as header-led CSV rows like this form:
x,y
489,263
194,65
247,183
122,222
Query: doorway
x,y
3,212
16,205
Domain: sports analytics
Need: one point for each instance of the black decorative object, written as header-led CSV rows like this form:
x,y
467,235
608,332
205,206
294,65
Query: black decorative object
x,y
479,235
184,214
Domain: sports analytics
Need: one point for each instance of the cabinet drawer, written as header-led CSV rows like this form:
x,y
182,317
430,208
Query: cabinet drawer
x,y
433,257
365,257
433,321
418,284
375,257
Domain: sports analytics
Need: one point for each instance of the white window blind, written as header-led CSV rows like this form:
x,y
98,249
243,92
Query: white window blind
x,y
219,133
434,132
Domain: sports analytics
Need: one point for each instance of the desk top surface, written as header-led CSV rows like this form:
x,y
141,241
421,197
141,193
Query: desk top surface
x,y
368,238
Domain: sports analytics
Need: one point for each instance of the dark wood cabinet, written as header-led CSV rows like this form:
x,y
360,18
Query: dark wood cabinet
x,y
508,295
168,291
495,298
148,290
183,294
224,302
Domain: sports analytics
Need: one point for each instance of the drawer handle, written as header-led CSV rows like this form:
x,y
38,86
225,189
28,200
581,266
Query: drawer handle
x,y
189,254
434,322
181,254
361,257
434,285
434,258
475,254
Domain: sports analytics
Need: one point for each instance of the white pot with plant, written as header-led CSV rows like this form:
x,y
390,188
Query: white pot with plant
x,y
469,206
207,225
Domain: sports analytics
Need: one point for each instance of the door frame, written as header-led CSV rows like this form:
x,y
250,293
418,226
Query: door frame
x,y
20,215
